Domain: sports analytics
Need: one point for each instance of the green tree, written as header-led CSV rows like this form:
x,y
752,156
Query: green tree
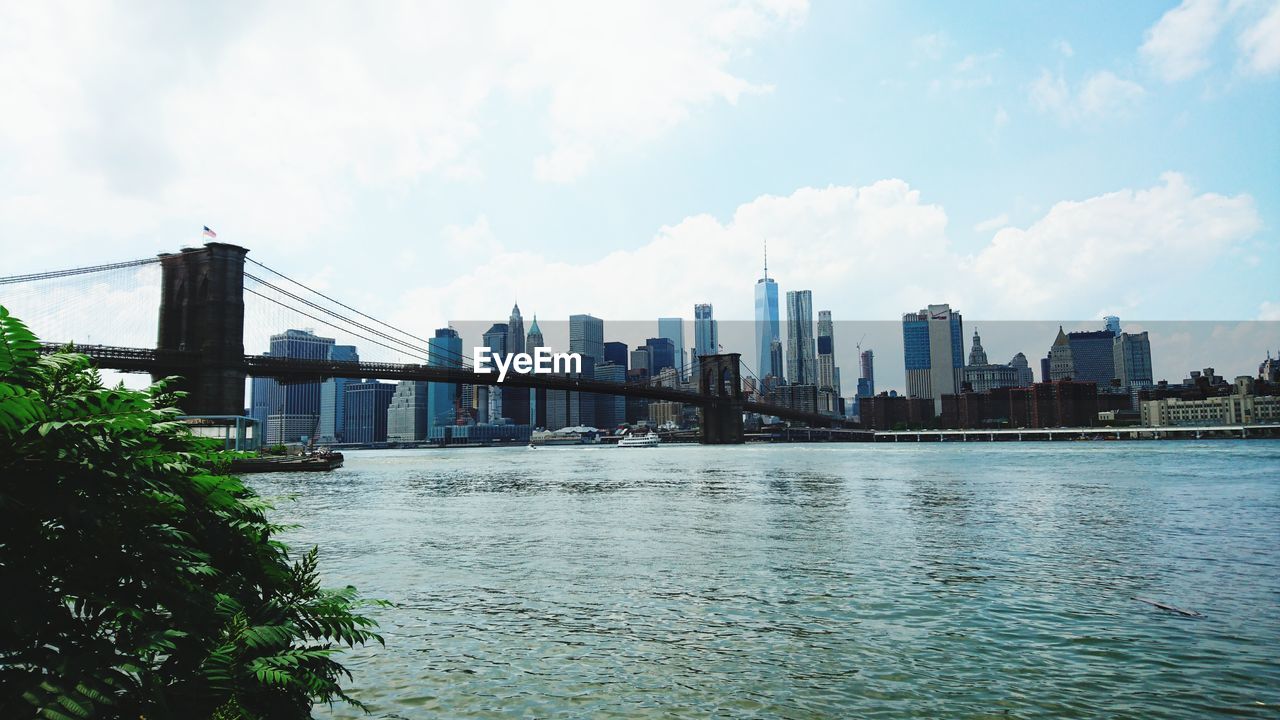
x,y
137,580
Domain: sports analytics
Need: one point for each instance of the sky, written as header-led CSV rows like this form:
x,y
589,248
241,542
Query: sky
x,y
428,162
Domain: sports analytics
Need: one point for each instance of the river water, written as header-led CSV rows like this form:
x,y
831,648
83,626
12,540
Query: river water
x,y
800,581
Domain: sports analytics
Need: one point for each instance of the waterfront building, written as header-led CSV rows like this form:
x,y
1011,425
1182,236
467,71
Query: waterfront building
x,y
663,413
407,413
481,433
333,397
933,352
1241,407
270,397
672,328
1061,403
444,350
801,361
515,331
889,411
1061,360
828,373
1131,356
766,321
1269,369
366,412
801,398
662,354
616,353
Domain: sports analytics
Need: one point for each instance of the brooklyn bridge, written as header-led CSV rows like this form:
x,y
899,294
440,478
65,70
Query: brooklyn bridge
x,y
200,338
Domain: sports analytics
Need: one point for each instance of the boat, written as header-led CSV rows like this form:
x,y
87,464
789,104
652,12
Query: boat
x,y
649,440
298,463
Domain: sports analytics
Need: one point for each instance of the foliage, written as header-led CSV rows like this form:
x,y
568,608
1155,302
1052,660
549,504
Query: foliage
x,y
138,583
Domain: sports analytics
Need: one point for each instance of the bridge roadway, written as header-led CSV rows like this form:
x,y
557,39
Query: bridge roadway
x,y
175,362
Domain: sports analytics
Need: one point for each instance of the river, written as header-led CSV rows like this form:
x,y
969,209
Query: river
x,y
805,581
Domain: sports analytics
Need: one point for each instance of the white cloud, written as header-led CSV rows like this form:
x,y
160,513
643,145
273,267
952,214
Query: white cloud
x,y
992,223
1105,238
269,127
1260,43
1065,48
1177,46
930,46
1269,310
1101,94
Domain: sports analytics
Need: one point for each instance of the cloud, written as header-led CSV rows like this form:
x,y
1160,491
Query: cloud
x,y
1065,48
1101,94
993,223
1177,46
270,128
930,46
1260,43
1105,237
1269,310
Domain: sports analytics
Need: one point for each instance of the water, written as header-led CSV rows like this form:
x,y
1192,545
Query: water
x,y
798,581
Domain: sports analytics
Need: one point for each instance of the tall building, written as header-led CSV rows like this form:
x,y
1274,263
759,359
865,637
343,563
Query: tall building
x,y
766,323
706,332
616,353
868,366
333,397
407,413
1113,324
1131,355
828,373
1025,376
366,412
586,336
662,354
641,360
977,355
443,350
295,406
537,396
1061,362
801,363
611,410
933,352
1091,356
495,338
981,375
673,330
515,331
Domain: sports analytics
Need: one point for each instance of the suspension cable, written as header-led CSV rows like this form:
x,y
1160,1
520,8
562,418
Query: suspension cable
x,y
12,279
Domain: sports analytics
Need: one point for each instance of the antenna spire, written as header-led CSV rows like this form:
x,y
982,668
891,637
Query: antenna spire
x,y
766,258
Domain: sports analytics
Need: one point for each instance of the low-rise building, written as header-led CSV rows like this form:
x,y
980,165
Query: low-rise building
x,y
1240,408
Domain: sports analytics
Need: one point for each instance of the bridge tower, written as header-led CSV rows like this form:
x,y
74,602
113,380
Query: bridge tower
x,y
202,313
720,378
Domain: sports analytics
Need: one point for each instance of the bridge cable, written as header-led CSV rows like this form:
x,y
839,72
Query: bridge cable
x,y
13,279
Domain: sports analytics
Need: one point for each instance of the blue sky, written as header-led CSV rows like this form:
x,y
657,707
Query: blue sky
x,y
1023,161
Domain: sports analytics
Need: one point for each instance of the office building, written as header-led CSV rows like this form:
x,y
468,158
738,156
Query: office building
x,y
1131,356
1025,376
515,331
641,361
662,354
981,375
495,338
1092,358
443,350
1241,407
611,410
407,413
766,321
616,353
867,363
537,396
706,332
933,352
292,402
1112,324
828,373
1061,360
586,336
366,412
333,397
672,328
801,361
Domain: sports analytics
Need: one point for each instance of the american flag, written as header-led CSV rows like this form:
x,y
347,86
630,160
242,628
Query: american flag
x,y
209,233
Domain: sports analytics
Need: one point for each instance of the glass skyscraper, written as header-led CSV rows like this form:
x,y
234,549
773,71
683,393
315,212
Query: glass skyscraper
x,y
766,324
332,397
672,328
706,334
443,350
290,411
801,362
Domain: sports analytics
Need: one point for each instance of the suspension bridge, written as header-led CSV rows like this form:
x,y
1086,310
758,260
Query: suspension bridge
x,y
200,334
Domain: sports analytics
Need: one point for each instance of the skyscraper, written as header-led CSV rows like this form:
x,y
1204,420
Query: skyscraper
x,y
766,323
1131,354
616,353
828,373
333,397
537,396
977,356
407,413
291,411
933,352
495,338
801,363
586,336
534,339
867,361
1113,324
515,331
706,332
443,350
366,412
1091,356
1061,364
662,354
672,328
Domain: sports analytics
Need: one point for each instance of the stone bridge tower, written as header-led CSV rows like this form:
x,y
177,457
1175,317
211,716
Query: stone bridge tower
x,y
202,323
720,378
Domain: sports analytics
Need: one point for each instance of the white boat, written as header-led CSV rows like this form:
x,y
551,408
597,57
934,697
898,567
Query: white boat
x,y
650,440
